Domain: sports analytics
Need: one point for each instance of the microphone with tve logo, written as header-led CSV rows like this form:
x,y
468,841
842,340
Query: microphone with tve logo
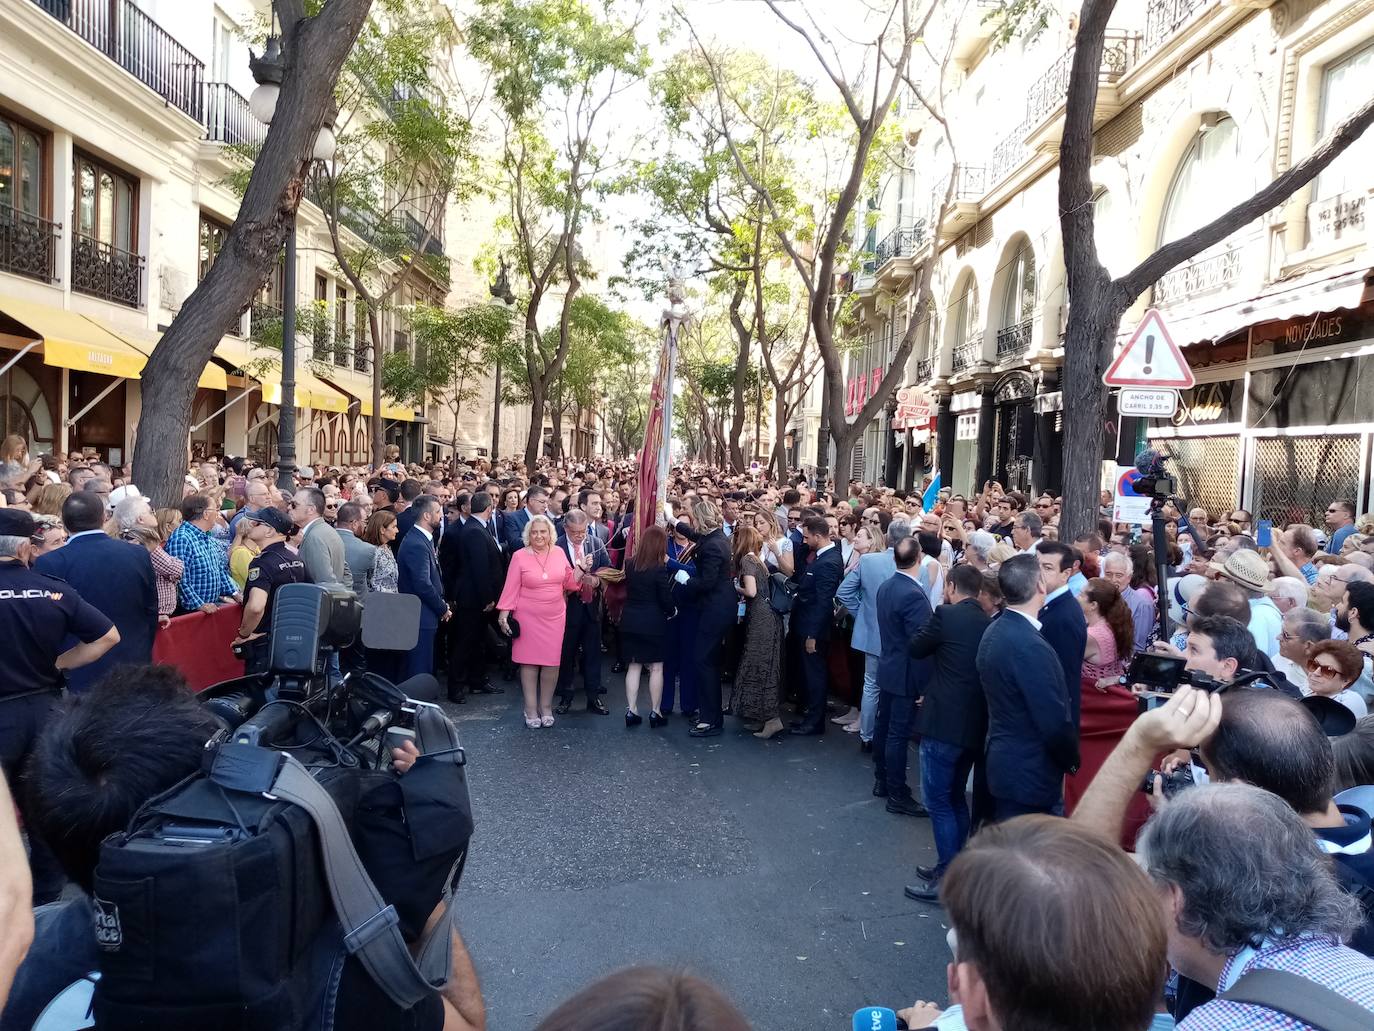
x,y
875,1018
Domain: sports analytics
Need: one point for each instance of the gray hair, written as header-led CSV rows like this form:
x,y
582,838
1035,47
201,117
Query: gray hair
x,y
1248,869
1032,522
576,517
1308,625
126,513
897,530
1290,587
982,542
1115,558
707,515
553,530
9,546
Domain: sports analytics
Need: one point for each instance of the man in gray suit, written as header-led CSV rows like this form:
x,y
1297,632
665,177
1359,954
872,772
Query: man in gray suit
x,y
859,594
358,554
320,547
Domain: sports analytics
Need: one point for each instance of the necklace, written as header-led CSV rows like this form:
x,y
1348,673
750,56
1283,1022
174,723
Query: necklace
x,y
543,564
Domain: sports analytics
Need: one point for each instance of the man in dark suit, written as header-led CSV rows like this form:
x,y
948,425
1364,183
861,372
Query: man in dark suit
x,y
474,600
536,503
712,589
1062,622
582,629
953,721
114,576
418,574
1031,738
813,616
902,609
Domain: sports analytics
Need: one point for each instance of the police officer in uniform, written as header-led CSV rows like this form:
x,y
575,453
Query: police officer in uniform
x,y
275,565
46,628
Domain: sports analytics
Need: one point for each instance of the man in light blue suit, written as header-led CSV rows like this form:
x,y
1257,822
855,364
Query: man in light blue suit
x,y
859,594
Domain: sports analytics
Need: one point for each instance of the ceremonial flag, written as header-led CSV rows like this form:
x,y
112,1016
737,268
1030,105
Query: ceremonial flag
x,y
657,437
932,494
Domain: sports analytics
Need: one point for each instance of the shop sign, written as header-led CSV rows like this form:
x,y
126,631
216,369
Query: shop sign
x,y
914,409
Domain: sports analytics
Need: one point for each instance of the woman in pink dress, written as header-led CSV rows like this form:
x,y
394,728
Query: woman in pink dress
x,y
537,584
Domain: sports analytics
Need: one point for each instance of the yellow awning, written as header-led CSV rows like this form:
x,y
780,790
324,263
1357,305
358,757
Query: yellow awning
x,y
390,410
311,391
71,341
212,377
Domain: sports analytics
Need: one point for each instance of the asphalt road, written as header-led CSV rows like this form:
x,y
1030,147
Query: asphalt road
x,y
767,867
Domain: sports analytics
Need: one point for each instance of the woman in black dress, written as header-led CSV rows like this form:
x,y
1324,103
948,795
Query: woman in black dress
x,y
644,622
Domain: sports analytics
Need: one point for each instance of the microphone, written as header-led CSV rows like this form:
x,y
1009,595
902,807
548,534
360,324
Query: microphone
x,y
1150,462
875,1018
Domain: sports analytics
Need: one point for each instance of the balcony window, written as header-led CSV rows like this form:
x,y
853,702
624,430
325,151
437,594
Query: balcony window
x,y
104,259
212,237
341,335
966,314
27,240
1109,236
1342,93
323,349
1018,305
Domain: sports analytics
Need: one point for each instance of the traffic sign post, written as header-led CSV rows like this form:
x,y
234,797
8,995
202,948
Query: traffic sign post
x,y
1150,359
1148,402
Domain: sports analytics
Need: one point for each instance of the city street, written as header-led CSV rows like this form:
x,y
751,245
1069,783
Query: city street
x,y
768,867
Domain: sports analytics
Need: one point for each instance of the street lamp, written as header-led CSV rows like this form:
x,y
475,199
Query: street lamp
x,y
501,291
269,70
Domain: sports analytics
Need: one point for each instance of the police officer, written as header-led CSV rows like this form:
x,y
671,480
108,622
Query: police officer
x,y
39,616
275,565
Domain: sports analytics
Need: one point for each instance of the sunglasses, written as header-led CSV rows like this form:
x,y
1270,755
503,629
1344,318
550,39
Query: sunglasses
x,y
1320,669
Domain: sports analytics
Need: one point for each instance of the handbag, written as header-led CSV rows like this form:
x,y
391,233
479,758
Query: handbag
x,y
513,627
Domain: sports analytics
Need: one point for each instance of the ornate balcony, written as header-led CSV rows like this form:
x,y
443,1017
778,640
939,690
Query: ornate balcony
x,y
28,244
1046,99
1164,17
901,243
924,367
1014,341
965,356
102,270
362,356
1009,155
970,183
1208,274
227,118
139,45
321,345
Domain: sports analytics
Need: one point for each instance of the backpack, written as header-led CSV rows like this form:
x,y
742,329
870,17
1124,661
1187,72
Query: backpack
x,y
782,593
238,899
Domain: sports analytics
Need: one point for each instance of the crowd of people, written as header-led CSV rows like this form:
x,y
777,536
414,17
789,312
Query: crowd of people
x,y
1033,673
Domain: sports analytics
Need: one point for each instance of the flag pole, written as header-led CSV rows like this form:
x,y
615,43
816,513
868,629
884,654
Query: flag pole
x,y
674,319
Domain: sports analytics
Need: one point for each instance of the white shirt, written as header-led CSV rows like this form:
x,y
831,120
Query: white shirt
x,y
428,536
1055,593
823,550
1029,619
83,533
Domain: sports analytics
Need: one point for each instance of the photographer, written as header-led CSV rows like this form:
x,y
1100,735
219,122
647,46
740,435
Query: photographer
x,y
134,736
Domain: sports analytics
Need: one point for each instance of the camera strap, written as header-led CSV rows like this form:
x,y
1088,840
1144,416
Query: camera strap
x,y
371,928
1300,998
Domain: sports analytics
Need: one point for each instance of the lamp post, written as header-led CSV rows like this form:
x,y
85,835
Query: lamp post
x,y
268,72
501,291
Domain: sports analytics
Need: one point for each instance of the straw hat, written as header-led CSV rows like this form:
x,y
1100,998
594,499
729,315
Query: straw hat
x,y
1247,568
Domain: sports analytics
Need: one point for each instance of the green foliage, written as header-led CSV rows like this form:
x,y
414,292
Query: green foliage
x,y
313,323
453,351
1019,19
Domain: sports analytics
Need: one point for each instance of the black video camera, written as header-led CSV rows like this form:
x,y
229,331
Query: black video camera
x,y
1165,673
1154,481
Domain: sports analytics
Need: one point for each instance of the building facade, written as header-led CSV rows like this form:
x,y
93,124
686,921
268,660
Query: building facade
x,y
1201,102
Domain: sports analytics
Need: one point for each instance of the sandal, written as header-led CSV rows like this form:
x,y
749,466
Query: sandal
x,y
546,721
533,722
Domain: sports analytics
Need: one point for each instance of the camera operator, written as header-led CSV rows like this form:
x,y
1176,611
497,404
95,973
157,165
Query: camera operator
x,y
39,617
275,565
134,736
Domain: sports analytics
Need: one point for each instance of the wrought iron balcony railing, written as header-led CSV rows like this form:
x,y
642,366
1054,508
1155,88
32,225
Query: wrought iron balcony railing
x,y
965,356
900,243
1013,341
139,45
970,183
1165,17
228,119
103,270
923,370
362,356
28,244
1009,154
1208,274
1120,51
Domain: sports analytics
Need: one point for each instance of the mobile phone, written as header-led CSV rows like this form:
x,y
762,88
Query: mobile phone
x,y
1264,533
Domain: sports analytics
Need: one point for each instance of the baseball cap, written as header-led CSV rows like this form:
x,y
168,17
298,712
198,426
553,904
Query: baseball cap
x,y
15,522
126,492
275,518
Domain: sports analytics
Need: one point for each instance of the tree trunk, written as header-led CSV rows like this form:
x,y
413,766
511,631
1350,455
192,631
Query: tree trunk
x,y
374,330
742,334
778,462
168,382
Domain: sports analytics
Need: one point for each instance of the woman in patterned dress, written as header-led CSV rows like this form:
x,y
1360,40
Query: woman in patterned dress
x,y
758,680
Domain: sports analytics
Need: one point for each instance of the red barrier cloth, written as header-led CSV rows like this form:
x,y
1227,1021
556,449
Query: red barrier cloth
x,y
198,645
1105,717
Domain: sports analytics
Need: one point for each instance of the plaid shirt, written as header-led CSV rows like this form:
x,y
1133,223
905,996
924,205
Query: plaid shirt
x,y
205,576
1319,958
168,571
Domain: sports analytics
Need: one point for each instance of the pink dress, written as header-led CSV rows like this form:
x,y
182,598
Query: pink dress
x,y
535,592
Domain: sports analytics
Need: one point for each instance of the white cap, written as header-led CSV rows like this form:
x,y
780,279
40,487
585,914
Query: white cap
x,y
124,493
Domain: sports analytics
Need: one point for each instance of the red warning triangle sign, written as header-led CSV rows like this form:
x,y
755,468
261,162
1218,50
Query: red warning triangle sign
x,y
1150,359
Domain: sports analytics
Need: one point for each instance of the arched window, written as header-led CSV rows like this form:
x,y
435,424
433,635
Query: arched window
x,y
1211,159
1018,301
1340,97
966,313
1107,234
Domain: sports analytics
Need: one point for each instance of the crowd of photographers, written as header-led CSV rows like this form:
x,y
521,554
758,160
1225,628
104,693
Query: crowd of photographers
x,y
1233,754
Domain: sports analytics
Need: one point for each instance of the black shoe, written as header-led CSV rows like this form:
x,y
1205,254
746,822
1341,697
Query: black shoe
x,y
928,892
487,687
564,704
905,807
634,719
597,706
657,720
879,789
800,729
865,746
704,730
458,697
926,873
618,667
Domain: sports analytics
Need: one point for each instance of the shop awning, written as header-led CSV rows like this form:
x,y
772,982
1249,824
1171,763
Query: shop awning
x,y
71,341
211,377
1295,297
264,365
390,410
